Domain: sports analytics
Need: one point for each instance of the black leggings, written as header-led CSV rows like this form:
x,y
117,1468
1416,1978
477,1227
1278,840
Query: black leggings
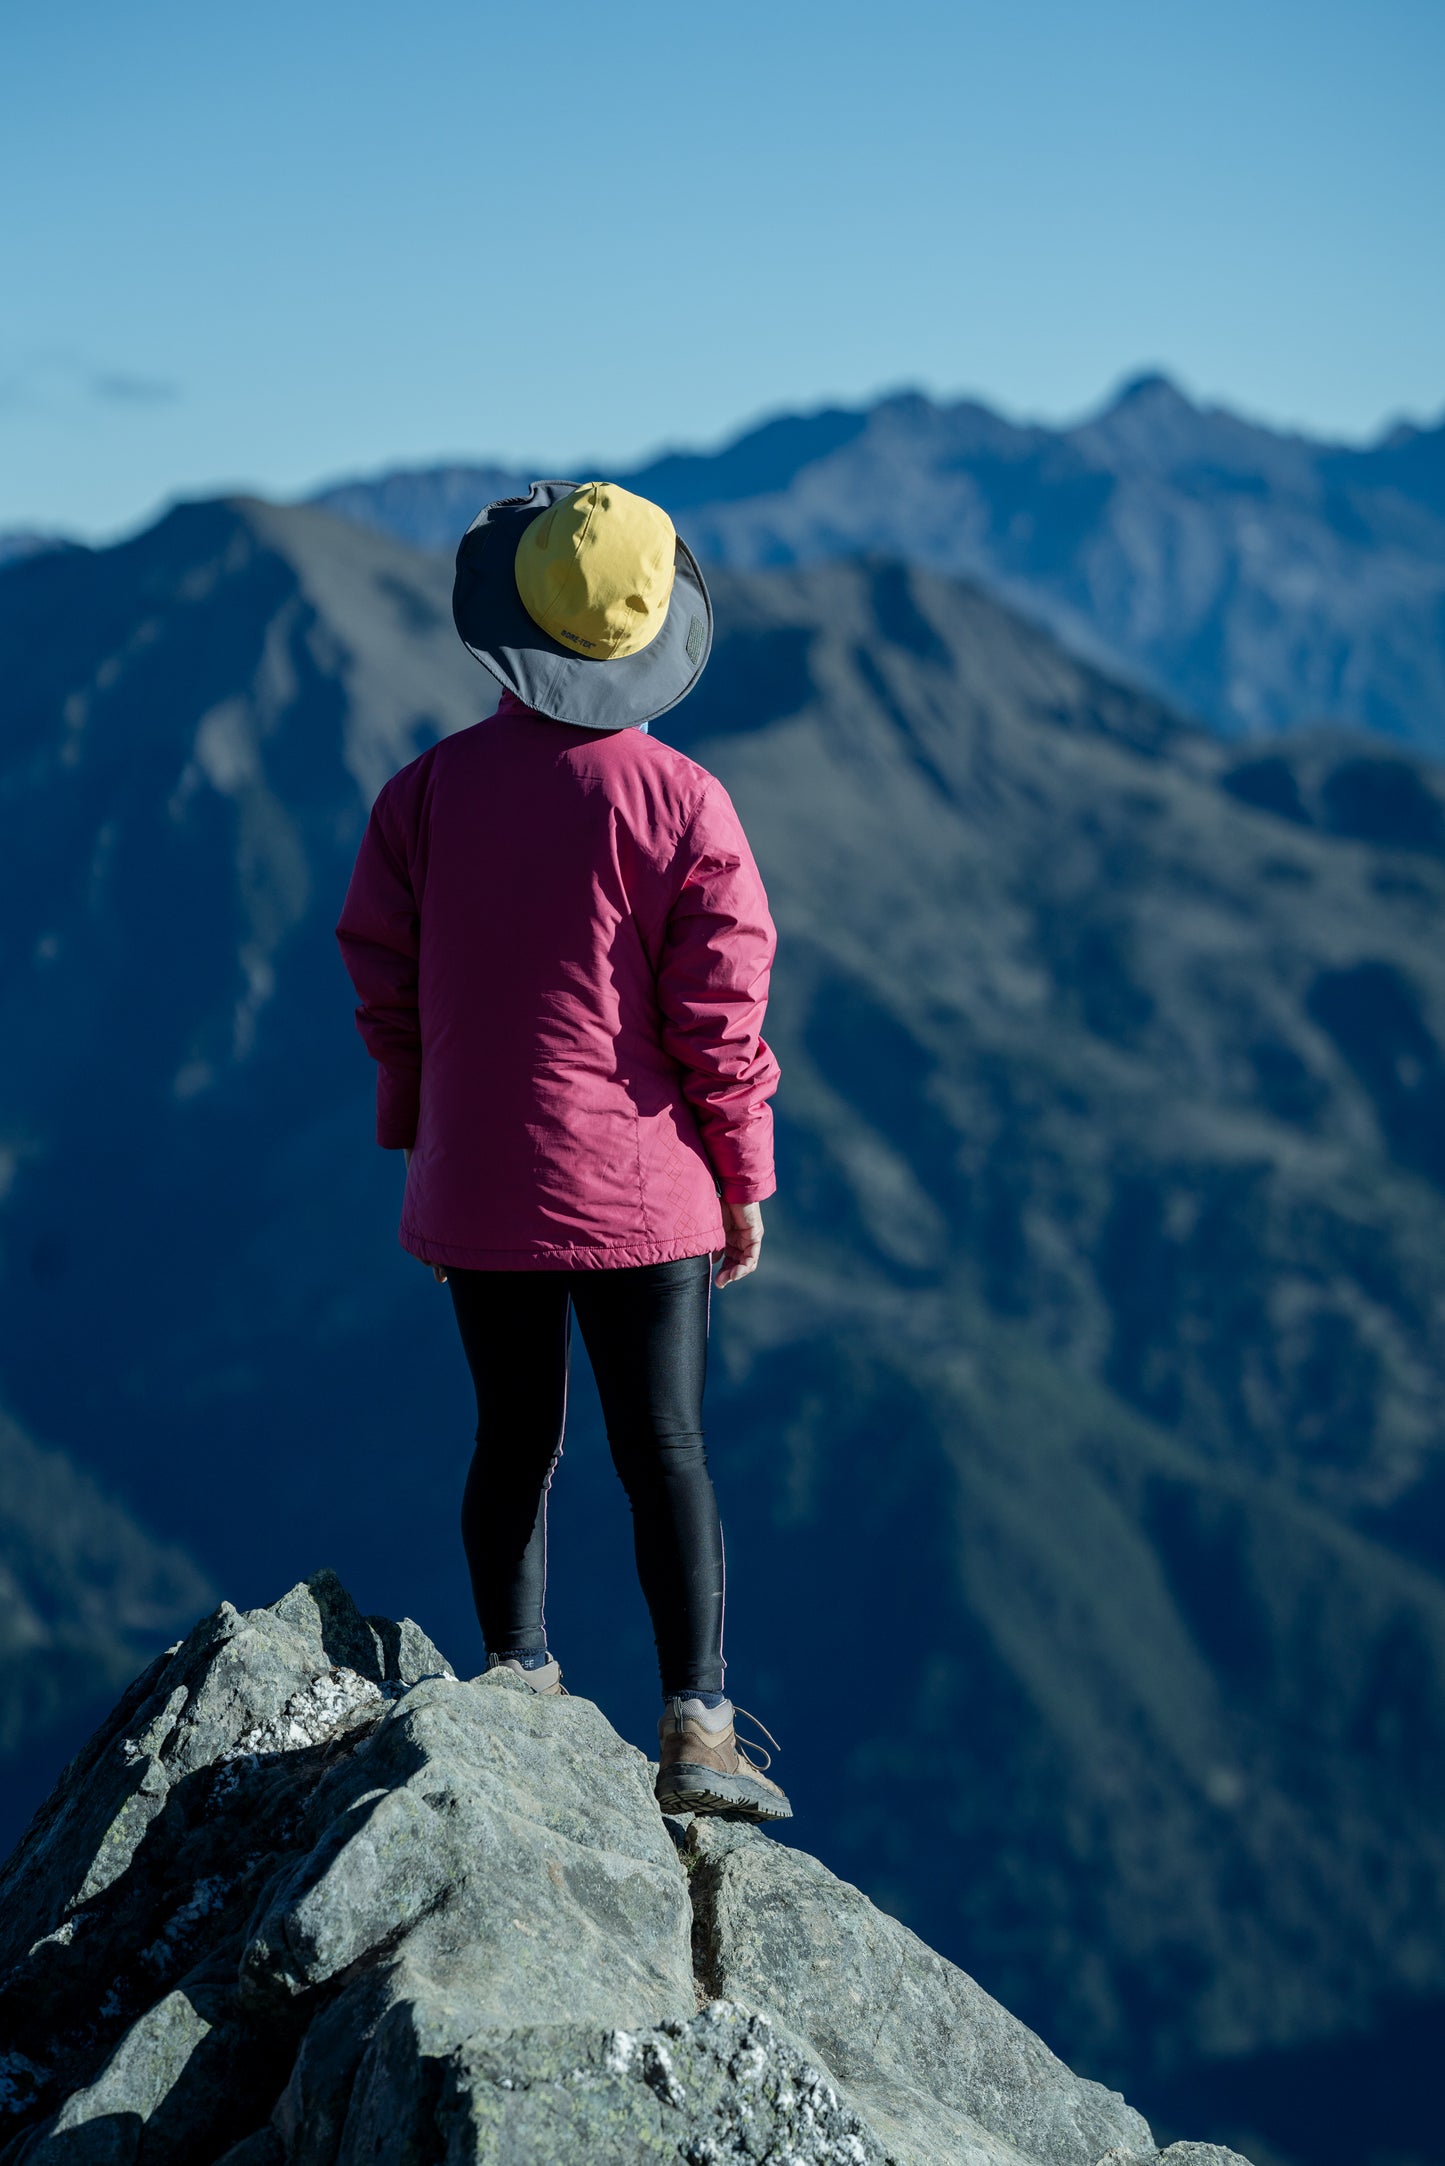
x,y
645,1329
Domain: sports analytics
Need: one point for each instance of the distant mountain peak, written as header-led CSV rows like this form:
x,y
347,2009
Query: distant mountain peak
x,y
18,543
1153,388
907,399
1152,425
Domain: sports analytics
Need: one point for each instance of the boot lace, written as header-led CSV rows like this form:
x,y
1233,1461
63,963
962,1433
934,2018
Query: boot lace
x,y
762,1765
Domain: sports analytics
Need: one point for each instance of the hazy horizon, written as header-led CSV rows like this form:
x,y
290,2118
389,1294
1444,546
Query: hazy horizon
x,y
594,463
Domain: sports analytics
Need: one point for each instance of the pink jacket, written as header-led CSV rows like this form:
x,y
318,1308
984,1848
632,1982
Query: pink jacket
x,y
561,947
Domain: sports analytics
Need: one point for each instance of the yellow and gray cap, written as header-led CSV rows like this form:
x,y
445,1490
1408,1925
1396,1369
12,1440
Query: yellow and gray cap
x,y
585,602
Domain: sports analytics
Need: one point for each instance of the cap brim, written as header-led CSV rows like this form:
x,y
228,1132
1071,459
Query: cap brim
x,y
615,694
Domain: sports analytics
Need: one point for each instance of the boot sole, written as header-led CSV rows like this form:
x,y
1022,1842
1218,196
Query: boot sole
x,y
688,1789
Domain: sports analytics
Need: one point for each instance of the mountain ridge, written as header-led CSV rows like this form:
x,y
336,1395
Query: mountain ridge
x,y
1257,577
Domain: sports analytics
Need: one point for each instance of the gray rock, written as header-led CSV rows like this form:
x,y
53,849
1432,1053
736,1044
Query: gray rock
x,y
936,2064
310,2115
722,2085
172,2089
309,1899
1200,2154
221,1693
144,2068
514,1842
137,1877
1178,2154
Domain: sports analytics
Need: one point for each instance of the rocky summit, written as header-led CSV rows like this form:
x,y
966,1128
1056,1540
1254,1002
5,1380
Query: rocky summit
x,y
308,1896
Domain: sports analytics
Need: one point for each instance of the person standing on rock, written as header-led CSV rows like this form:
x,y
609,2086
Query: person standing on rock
x,y
561,947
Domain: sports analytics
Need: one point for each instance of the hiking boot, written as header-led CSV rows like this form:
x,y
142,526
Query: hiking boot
x,y
703,1769
546,1681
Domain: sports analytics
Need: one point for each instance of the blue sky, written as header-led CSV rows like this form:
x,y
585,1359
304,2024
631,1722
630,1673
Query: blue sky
x,y
265,246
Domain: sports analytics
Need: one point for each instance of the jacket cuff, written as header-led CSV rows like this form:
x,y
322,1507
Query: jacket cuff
x,y
398,1097
741,1191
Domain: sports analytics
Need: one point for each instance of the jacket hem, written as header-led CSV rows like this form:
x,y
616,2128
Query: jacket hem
x,y
587,1256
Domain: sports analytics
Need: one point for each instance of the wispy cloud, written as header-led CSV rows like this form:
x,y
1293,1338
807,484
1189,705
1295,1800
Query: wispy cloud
x,y
61,382
117,388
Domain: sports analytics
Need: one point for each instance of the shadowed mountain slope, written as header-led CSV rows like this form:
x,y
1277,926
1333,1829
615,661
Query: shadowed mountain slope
x,y
1259,578
1077,1439
1071,1012
85,1595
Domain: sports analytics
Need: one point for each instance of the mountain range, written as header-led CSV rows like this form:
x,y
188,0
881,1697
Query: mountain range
x,y
1079,1439
1256,577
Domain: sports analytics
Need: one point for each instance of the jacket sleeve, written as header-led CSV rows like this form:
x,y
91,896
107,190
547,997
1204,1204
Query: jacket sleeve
x,y
713,988
379,934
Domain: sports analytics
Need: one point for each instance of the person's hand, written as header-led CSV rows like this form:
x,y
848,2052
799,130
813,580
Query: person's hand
x,y
437,1270
743,1225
